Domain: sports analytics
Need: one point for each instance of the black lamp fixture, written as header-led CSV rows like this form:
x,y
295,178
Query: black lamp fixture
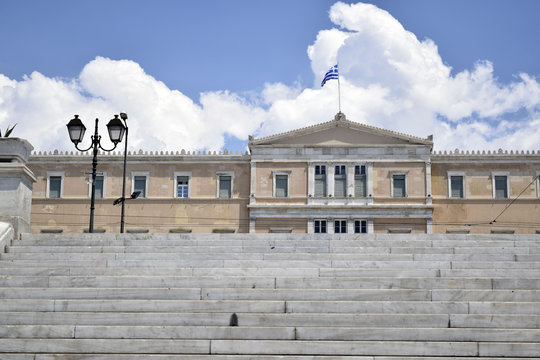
x,y
76,130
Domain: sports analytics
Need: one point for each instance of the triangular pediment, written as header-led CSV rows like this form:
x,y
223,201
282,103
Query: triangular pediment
x,y
340,132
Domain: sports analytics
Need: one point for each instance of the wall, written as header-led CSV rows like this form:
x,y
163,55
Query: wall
x,y
475,213
160,211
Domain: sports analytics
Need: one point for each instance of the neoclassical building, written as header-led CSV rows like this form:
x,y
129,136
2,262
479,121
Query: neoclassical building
x,y
336,177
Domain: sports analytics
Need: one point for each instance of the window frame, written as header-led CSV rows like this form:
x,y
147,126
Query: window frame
x,y
188,174
321,221
363,224
146,174
324,177
275,174
104,175
493,183
218,176
357,178
60,174
340,226
456,173
340,170
406,184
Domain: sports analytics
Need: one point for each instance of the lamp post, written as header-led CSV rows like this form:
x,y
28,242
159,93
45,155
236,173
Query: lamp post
x,y
124,117
76,130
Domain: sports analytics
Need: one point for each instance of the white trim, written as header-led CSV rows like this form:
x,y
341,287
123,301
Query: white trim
x,y
449,175
394,173
500,173
102,173
47,190
140,173
225,173
538,184
283,173
330,180
175,190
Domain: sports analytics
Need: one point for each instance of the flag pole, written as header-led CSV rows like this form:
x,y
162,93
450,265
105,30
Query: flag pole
x,y
339,90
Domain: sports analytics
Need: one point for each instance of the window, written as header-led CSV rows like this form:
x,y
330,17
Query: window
x,y
224,186
456,186
182,186
54,188
340,181
360,227
500,186
360,181
399,187
140,183
281,185
99,186
320,180
340,226
320,226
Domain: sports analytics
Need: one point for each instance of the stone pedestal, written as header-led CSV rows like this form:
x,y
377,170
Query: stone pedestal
x,y
16,182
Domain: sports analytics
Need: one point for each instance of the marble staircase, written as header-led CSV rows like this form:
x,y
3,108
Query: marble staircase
x,y
269,297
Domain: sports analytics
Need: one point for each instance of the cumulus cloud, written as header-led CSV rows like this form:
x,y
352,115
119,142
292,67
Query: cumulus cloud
x,y
389,78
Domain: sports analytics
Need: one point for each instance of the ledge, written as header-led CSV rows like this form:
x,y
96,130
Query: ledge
x,y
51,231
458,231
503,231
399,230
283,230
137,231
100,231
180,231
224,231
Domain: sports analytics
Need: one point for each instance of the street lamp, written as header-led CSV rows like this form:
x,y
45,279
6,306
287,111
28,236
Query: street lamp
x,y
76,130
124,117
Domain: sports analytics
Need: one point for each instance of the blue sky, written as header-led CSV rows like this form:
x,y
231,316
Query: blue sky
x,y
250,59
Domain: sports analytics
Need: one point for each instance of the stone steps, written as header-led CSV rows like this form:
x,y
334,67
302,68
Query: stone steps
x,y
266,282
333,297
117,356
280,256
268,333
270,347
359,248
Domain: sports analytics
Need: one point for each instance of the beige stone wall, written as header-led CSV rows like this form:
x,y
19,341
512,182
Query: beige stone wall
x,y
382,179
382,226
264,182
479,208
478,178
266,225
160,211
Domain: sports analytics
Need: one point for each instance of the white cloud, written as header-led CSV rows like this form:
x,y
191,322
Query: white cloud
x,y
389,78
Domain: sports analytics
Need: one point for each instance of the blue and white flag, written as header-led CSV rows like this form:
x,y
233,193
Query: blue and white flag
x,y
330,74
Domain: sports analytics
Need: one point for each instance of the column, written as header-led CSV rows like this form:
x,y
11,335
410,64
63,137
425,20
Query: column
x,y
428,183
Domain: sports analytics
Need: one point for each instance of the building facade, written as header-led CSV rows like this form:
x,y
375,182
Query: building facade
x,y
336,177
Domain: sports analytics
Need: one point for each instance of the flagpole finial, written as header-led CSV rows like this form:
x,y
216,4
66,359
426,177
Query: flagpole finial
x,y
340,116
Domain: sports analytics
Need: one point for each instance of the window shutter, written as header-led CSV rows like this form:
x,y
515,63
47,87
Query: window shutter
x,y
140,185
360,185
399,185
55,186
281,186
320,185
456,184
224,186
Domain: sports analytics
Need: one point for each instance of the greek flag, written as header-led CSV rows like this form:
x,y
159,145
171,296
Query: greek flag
x,y
330,74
